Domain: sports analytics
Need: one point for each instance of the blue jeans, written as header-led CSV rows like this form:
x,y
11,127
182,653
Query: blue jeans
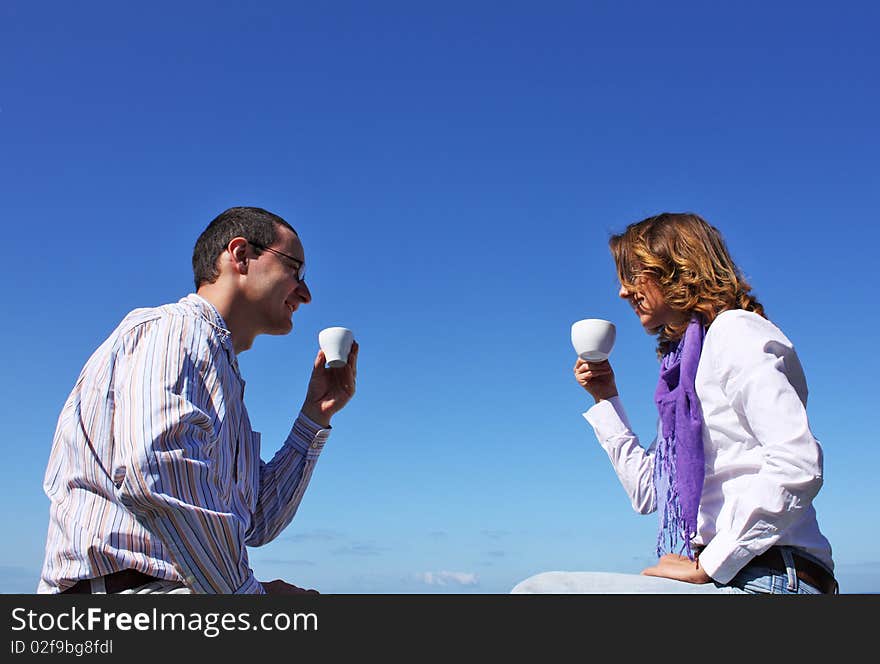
x,y
754,579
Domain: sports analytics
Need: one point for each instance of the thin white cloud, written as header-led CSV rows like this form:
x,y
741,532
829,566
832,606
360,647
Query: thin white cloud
x,y
448,578
283,561
316,535
359,549
495,534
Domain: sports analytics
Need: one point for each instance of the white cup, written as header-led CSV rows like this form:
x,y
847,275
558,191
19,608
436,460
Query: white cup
x,y
593,339
336,344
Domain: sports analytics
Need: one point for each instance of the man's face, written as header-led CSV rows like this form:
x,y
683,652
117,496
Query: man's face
x,y
273,287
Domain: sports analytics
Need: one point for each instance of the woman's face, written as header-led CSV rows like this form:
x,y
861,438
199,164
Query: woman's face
x,y
647,301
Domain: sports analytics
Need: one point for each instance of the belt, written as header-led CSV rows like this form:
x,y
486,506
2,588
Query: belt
x,y
805,569
115,582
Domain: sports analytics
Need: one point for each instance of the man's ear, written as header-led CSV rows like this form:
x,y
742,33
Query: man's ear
x,y
237,252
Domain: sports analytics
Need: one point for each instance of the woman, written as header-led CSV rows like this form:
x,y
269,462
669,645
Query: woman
x,y
734,468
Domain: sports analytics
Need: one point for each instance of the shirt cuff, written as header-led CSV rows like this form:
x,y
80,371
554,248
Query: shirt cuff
x,y
608,419
723,559
251,587
308,436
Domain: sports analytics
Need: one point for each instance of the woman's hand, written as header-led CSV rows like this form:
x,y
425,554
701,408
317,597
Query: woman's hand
x,y
680,568
597,378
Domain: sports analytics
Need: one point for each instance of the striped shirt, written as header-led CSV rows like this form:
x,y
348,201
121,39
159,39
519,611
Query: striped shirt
x,y
154,465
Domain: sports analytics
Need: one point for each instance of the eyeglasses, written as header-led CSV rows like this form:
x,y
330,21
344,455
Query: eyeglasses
x,y
300,266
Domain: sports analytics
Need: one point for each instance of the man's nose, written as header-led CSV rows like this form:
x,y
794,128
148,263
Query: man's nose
x,y
303,291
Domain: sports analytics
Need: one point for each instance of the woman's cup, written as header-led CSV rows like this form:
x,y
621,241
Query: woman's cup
x,y
593,339
336,344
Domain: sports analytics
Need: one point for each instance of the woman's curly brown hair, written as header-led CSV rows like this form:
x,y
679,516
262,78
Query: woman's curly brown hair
x,y
691,264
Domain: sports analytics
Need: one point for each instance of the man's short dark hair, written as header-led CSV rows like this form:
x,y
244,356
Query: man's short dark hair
x,y
254,224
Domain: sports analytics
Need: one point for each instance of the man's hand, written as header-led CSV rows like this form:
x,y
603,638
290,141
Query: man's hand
x,y
279,587
330,389
681,568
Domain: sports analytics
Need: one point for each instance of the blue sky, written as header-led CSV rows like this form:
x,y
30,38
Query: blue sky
x,y
454,170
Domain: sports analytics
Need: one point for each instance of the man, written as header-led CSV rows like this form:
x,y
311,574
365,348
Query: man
x,y
155,478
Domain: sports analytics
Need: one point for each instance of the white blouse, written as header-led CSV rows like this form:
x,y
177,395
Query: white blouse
x,y
763,465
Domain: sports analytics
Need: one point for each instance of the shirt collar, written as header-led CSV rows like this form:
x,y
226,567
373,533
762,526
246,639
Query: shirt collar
x,y
209,312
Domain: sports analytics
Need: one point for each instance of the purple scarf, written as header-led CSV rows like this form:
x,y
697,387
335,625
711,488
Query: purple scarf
x,y
678,460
